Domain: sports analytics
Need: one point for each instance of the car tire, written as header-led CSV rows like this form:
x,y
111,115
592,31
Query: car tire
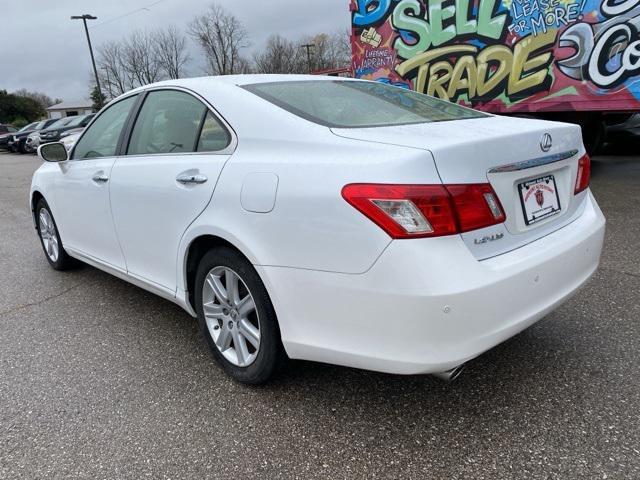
x,y
50,238
238,354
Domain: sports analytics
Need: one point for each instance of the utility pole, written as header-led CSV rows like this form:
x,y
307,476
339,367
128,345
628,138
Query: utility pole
x,y
84,19
308,47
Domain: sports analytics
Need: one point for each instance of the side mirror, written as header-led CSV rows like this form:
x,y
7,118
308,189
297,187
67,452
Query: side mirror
x,y
53,152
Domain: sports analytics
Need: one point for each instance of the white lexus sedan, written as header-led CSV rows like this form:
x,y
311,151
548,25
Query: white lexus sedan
x,y
332,220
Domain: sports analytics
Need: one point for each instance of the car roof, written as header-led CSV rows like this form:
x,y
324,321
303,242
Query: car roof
x,y
244,79
226,95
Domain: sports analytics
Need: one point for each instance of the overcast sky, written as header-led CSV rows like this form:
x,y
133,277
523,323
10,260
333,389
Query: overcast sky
x,y
41,49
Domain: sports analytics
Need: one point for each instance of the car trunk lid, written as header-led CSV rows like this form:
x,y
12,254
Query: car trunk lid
x,y
509,153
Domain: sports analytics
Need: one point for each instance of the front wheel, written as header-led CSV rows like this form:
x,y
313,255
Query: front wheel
x,y
50,238
236,316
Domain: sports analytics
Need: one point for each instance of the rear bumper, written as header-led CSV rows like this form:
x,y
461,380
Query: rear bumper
x,y
428,305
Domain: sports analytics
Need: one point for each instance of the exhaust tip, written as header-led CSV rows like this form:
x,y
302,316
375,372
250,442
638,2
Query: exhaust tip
x,y
450,375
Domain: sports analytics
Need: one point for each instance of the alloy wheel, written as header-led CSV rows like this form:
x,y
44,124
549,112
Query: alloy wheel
x,y
48,235
231,316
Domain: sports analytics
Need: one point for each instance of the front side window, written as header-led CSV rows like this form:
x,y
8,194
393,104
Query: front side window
x,y
353,104
101,139
169,122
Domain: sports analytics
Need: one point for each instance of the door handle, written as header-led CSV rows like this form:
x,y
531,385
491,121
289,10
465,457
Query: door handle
x,y
100,178
187,179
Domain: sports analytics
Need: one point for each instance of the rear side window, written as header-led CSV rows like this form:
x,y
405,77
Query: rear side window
x,y
101,138
214,136
354,104
168,122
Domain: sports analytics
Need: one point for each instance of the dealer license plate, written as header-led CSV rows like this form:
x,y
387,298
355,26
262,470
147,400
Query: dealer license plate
x,y
539,199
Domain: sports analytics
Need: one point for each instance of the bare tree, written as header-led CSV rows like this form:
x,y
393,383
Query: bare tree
x,y
137,60
280,56
113,74
329,50
342,47
140,62
221,37
244,66
169,49
42,99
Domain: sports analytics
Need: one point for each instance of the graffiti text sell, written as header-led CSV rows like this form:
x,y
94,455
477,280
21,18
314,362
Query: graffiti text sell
x,y
450,71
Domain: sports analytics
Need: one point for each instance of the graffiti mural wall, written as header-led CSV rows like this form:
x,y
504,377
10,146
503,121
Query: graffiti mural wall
x,y
504,55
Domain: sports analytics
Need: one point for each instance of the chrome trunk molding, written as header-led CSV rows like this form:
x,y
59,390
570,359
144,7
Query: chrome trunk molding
x,y
536,162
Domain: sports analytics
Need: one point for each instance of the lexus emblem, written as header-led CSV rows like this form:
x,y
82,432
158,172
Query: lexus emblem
x,y
546,143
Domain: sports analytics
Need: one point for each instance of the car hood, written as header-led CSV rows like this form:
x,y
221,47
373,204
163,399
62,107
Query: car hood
x,y
52,130
24,134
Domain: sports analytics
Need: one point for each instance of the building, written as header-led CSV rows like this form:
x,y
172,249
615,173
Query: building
x,y
335,72
70,109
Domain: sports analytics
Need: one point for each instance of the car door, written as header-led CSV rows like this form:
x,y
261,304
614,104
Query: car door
x,y
176,151
82,208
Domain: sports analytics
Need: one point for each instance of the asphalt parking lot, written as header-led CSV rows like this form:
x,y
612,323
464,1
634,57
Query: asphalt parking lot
x,y
102,380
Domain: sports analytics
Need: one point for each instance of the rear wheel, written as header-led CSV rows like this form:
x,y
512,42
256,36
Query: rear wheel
x,y
50,238
236,316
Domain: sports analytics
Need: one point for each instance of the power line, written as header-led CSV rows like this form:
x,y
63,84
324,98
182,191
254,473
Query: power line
x,y
146,7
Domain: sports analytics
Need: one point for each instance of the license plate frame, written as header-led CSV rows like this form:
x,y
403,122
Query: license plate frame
x,y
535,210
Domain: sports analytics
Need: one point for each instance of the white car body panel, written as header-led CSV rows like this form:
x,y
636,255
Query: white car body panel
x,y
339,284
151,210
466,151
420,311
82,210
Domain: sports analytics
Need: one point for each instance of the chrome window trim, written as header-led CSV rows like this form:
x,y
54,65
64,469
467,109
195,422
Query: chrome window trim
x,y
228,150
97,115
536,162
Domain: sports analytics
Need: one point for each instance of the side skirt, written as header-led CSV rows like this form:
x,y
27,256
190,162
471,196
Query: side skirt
x,y
181,300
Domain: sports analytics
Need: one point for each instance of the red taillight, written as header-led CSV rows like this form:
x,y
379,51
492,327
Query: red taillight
x,y
415,211
584,174
476,206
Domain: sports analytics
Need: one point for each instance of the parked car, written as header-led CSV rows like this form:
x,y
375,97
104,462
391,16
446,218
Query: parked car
x,y
53,132
7,128
334,220
71,132
5,133
32,143
19,139
621,128
35,138
27,128
69,139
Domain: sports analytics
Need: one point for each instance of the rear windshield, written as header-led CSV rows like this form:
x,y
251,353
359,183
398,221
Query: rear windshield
x,y
351,104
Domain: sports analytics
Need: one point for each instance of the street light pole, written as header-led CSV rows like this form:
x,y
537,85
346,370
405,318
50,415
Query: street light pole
x,y
308,47
84,19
